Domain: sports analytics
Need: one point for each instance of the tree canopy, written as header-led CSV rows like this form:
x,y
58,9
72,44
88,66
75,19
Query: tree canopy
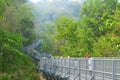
x,y
16,31
96,31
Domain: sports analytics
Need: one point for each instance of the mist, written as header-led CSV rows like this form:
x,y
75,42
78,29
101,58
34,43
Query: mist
x,y
48,11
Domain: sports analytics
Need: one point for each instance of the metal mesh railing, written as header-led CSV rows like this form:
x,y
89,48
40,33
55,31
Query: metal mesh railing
x,y
76,68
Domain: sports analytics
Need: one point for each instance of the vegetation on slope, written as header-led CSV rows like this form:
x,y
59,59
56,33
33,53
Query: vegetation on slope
x,y
16,31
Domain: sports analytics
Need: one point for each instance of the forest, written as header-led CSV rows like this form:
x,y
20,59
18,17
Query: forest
x,y
16,31
66,27
79,28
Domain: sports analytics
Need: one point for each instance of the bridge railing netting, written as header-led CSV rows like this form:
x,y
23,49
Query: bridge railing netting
x,y
77,68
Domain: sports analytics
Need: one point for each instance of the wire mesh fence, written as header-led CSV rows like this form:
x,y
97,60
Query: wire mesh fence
x,y
77,68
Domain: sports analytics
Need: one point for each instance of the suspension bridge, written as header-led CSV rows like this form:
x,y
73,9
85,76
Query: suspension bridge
x,y
74,68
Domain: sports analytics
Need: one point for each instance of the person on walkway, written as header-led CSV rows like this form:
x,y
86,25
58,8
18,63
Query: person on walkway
x,y
90,66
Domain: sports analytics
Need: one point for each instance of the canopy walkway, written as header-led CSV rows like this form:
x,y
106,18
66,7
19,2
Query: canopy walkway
x,y
30,50
74,68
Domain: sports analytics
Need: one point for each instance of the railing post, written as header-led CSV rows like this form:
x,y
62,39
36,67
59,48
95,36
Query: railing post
x,y
61,66
113,69
93,73
51,64
79,67
86,68
45,63
103,62
74,66
69,67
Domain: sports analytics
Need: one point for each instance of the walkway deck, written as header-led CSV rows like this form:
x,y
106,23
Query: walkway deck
x,y
74,68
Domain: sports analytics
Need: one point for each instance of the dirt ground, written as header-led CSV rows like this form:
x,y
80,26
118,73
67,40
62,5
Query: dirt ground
x,y
41,76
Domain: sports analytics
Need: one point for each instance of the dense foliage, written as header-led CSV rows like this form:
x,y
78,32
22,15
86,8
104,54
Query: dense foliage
x,y
16,31
46,12
96,32
14,65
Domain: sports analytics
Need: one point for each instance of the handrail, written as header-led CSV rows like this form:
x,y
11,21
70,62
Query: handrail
x,y
107,70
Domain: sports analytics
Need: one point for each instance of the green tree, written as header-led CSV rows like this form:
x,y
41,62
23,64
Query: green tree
x,y
97,28
18,19
108,45
67,33
94,10
14,64
2,7
97,19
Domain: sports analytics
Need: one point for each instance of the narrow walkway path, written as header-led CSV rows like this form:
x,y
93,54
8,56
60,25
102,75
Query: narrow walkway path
x,y
74,68
41,76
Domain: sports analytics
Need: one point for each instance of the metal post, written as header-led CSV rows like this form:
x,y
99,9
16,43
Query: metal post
x,y
39,66
79,68
69,67
74,66
50,64
93,72
113,69
45,63
86,68
103,61
61,66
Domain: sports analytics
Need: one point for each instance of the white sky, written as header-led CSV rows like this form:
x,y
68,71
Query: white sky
x,y
35,1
